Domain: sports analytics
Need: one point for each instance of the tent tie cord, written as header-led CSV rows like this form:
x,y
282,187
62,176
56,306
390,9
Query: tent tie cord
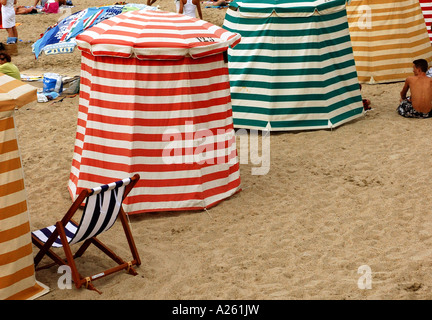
x,y
208,213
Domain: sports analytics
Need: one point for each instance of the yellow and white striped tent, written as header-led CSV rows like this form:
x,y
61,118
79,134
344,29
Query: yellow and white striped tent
x,y
17,276
387,35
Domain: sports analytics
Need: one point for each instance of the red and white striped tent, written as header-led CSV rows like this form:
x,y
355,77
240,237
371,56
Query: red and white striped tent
x,y
426,6
155,100
17,274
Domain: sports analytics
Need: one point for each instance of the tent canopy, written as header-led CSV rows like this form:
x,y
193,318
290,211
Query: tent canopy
x,y
156,35
292,71
287,8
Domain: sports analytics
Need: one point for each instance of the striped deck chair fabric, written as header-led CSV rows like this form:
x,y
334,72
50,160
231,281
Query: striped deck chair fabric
x,y
102,207
100,213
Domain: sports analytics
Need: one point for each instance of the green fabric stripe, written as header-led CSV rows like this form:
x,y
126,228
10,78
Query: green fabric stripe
x,y
290,98
287,6
281,124
343,89
283,20
306,110
299,123
293,85
250,123
346,115
279,98
290,72
285,85
293,33
294,46
291,59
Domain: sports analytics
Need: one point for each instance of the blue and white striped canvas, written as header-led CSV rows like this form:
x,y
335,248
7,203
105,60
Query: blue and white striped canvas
x,y
100,213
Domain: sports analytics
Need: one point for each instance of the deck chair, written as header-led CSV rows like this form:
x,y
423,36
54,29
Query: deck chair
x,y
102,207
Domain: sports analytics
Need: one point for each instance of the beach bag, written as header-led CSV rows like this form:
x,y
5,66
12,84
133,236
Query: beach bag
x,y
52,82
72,86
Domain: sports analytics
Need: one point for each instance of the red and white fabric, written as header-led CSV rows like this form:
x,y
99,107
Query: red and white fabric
x,y
156,35
140,90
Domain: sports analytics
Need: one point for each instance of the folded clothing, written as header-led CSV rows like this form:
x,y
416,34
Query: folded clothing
x,y
46,96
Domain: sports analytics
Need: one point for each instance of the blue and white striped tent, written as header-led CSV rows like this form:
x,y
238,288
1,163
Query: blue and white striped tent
x,y
294,68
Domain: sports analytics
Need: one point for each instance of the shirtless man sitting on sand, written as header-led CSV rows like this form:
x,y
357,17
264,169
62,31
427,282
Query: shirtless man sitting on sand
x,y
419,105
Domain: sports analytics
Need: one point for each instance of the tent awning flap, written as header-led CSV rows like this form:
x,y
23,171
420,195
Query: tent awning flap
x,y
157,35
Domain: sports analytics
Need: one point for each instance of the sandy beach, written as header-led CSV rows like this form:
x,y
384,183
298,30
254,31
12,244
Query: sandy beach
x,y
332,201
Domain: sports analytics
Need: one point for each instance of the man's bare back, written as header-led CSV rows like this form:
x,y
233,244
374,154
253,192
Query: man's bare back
x,y
420,103
421,92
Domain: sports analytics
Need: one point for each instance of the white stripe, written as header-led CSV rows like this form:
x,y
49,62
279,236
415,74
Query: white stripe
x,y
16,243
158,115
299,25
11,199
185,83
119,197
156,99
160,145
151,130
104,208
85,220
8,135
319,78
147,68
128,161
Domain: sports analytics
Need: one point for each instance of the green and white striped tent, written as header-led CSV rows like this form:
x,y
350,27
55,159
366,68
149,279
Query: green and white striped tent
x,y
294,68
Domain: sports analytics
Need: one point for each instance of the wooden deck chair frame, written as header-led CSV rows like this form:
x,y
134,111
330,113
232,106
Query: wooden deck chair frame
x,y
46,247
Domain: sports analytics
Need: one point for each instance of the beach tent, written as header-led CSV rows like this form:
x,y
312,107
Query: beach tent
x,y
294,68
387,36
17,276
155,100
426,6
